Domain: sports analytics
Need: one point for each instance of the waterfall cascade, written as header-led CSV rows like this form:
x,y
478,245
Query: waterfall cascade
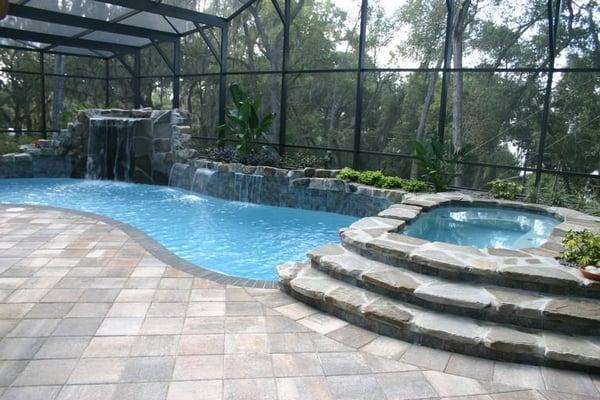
x,y
110,149
201,180
247,188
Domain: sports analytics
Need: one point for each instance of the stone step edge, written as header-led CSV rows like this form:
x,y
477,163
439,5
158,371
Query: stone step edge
x,y
438,330
529,314
356,241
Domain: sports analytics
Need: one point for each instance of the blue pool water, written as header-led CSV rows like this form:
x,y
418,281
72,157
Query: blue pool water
x,y
234,238
483,227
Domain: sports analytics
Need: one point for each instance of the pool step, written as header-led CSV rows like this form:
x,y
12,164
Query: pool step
x,y
409,322
528,269
571,315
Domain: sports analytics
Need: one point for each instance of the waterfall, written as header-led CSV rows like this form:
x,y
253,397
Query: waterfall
x,y
247,188
201,180
180,176
110,149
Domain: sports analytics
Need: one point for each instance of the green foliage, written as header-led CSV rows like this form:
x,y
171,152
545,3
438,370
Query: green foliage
x,y
10,144
371,178
243,122
349,174
581,247
437,161
376,178
504,189
301,159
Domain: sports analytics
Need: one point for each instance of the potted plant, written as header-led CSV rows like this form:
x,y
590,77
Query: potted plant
x,y
583,249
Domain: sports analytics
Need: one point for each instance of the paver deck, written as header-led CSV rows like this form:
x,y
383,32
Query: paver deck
x,y
87,312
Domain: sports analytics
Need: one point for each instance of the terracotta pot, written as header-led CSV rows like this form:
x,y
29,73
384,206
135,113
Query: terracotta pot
x,y
3,8
589,275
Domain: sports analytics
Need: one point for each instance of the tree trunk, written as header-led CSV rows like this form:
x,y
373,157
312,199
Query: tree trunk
x,y
58,91
414,169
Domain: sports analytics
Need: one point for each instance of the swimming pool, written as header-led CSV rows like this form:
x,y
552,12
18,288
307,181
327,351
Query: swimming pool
x,y
239,239
483,227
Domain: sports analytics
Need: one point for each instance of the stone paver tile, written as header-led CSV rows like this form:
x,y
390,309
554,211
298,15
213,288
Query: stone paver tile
x,y
77,327
190,390
41,282
63,347
280,324
14,311
148,369
206,309
167,310
243,308
208,295
50,310
296,311
88,310
175,283
550,395
87,392
452,385
171,295
98,370
247,366
201,344
120,326
245,325
246,343
322,323
19,348
7,325
148,272
426,357
323,344
162,326
31,393
198,367
46,372
296,364
344,363
154,346
62,295
141,391
26,296
527,395
110,346
34,327
471,367
303,388
569,381
355,387
9,370
249,389
520,375
99,295
387,347
136,295
406,385
204,325
233,293
290,342
128,310
140,283
353,336
381,364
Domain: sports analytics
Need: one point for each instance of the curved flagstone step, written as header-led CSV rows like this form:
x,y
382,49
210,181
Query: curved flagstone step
x,y
530,269
488,302
416,324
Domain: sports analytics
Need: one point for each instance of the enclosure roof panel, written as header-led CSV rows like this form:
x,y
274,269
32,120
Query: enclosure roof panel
x,y
94,25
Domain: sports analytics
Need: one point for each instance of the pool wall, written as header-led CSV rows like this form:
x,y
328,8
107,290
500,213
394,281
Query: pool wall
x,y
308,188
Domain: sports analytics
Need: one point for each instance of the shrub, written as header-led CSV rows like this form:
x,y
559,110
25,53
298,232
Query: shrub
x,y
302,159
349,174
391,182
503,189
581,247
414,185
438,162
376,178
371,178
